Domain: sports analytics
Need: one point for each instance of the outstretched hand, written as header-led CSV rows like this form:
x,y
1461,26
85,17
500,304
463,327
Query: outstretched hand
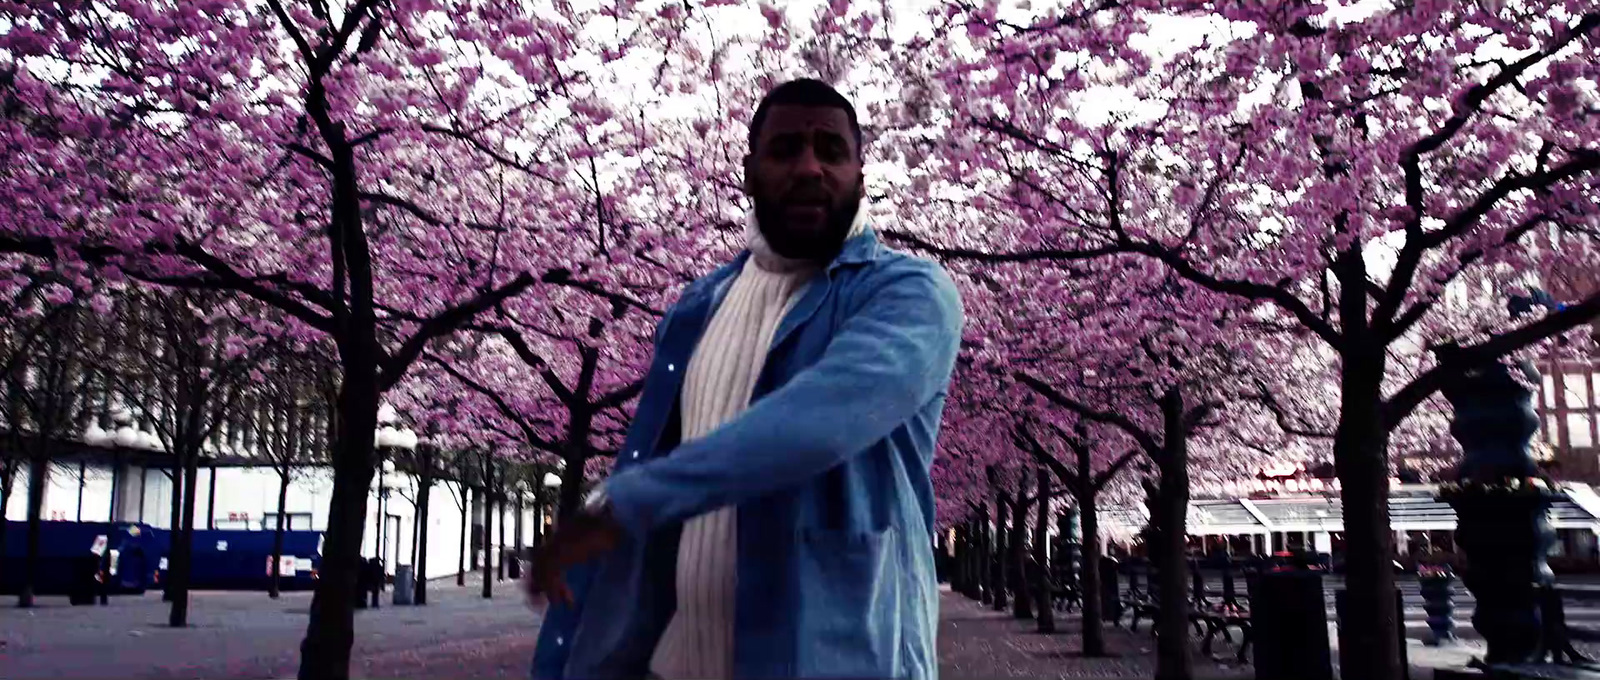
x,y
579,538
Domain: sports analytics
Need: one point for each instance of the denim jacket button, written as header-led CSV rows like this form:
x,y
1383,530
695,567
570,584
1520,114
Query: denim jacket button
x,y
672,367
636,453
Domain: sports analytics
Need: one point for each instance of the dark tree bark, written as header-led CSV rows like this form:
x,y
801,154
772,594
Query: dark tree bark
x,y
424,493
466,535
488,531
38,466
999,559
181,565
1360,452
1017,544
1041,558
1094,635
1173,660
984,557
277,535
325,651
500,514
169,589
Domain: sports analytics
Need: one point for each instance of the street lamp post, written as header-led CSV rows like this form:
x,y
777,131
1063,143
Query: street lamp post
x,y
389,440
522,493
551,481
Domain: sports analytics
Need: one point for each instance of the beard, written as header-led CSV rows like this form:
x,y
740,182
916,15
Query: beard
x,y
812,242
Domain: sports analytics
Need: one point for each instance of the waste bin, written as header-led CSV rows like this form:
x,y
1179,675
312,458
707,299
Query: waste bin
x,y
1110,590
1289,626
85,581
404,584
514,568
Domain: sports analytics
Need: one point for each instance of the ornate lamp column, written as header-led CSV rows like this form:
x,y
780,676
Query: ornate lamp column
x,y
1501,504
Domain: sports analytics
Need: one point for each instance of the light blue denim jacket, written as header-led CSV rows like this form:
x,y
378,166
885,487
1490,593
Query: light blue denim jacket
x,y
829,470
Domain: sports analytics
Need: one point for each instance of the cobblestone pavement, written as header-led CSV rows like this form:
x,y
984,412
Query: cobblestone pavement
x,y
976,642
460,635
246,635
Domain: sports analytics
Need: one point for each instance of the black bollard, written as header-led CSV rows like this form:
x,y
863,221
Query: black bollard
x,y
1289,626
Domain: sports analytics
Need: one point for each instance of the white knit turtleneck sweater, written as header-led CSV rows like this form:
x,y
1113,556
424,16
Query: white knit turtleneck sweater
x,y
698,642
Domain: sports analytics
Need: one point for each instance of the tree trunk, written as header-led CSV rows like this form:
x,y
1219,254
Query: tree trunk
x,y
500,546
571,494
488,554
424,492
1043,596
183,543
1173,660
325,652
38,469
985,573
466,535
7,472
516,539
1022,598
1094,636
997,559
277,538
958,571
173,526
1360,450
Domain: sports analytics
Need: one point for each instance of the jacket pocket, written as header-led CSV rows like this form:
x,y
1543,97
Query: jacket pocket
x,y
849,618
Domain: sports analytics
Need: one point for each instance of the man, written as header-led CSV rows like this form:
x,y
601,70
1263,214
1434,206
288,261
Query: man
x,y
770,514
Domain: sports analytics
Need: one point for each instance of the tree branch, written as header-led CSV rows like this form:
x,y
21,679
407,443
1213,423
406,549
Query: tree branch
x,y
1455,359
1145,439
443,323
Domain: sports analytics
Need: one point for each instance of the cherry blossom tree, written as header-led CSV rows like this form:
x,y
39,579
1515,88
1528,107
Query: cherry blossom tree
x,y
319,157
1345,169
48,380
183,363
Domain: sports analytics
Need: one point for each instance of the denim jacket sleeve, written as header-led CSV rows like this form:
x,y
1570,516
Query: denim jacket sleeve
x,y
885,362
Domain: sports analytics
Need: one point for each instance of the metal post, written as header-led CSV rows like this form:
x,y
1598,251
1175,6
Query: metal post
x,y
116,486
81,471
211,501
377,531
144,481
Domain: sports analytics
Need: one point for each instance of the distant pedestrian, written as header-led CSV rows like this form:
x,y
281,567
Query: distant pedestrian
x,y
770,514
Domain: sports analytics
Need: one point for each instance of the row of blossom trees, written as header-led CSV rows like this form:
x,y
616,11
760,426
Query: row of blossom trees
x,y
1183,229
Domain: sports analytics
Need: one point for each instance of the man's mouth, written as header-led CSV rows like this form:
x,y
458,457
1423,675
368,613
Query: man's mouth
x,y
806,209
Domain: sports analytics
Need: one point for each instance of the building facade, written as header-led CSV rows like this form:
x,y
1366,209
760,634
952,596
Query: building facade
x,y
245,497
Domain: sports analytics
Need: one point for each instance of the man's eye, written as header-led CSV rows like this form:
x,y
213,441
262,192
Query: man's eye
x,y
783,148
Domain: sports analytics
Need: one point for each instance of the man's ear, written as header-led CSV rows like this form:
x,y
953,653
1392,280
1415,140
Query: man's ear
x,y
749,173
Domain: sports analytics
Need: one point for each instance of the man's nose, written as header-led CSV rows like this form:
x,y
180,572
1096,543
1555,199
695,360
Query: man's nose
x,y
807,165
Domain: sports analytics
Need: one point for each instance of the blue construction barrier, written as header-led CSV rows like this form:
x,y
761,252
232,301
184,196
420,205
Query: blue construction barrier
x,y
67,557
234,559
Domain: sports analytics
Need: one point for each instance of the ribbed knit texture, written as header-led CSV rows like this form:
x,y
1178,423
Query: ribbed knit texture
x,y
722,372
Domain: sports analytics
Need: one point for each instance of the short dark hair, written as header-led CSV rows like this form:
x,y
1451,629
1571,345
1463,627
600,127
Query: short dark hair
x,y
804,92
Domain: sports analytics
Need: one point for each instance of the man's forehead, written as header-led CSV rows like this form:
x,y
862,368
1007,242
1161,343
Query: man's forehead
x,y
792,119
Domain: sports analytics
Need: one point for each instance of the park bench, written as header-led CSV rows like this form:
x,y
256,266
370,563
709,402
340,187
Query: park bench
x,y
1064,593
1232,611
1139,602
1558,634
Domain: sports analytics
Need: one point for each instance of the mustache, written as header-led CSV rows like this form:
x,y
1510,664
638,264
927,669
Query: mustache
x,y
808,195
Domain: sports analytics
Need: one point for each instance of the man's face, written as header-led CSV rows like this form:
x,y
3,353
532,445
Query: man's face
x,y
805,179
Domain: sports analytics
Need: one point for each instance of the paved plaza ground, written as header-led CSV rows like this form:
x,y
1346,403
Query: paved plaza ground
x,y
460,635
